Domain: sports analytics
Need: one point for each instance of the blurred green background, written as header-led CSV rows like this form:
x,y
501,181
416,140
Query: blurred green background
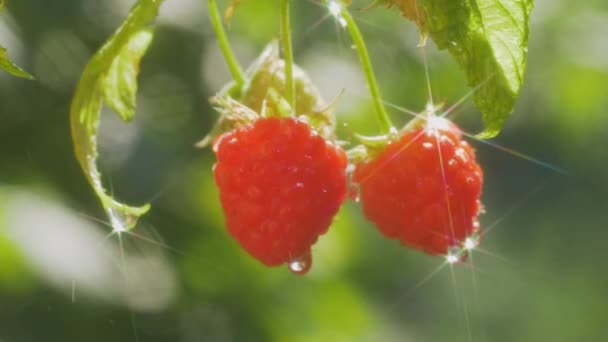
x,y
539,274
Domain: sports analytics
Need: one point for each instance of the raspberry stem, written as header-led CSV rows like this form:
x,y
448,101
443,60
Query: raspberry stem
x,y
357,37
222,40
290,91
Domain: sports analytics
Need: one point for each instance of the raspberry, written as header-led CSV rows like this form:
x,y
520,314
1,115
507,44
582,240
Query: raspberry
x,y
425,196
280,186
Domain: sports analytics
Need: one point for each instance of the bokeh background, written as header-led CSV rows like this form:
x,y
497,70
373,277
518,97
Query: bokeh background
x,y
539,275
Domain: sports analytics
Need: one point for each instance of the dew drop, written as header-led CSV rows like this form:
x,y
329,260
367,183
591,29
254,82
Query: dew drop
x,y
445,140
121,220
470,243
476,227
427,145
455,255
335,10
451,258
460,153
456,46
301,265
472,240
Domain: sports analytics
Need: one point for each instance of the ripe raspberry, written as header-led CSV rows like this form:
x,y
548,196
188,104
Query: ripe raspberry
x,y
427,197
280,186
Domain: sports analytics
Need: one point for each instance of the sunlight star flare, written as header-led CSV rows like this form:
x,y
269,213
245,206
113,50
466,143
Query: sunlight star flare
x,y
452,258
335,9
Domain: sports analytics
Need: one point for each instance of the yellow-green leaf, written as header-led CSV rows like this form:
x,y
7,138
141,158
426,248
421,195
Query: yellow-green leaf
x,y
489,39
10,67
7,65
110,77
120,86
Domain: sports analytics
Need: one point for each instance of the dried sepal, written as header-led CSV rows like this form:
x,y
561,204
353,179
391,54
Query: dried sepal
x,y
409,8
412,10
229,13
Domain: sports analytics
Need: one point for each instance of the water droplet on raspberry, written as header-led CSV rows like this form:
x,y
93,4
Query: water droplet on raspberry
x,y
472,240
455,255
476,226
460,153
301,265
427,145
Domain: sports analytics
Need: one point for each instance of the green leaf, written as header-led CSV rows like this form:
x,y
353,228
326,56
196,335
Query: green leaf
x,y
10,67
110,77
7,65
489,40
120,82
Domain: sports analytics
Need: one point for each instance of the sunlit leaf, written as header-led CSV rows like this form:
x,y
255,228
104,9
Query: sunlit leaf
x,y
10,67
120,86
110,77
489,39
7,65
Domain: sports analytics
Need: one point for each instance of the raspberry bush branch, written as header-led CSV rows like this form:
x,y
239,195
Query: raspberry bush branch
x,y
290,91
383,118
222,40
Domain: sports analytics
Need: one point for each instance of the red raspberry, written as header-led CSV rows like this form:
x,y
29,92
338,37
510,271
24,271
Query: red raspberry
x,y
427,197
280,186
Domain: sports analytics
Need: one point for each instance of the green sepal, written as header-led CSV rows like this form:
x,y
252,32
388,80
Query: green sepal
x,y
264,94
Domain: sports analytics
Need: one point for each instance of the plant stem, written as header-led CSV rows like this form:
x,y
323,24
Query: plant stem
x,y
290,91
222,40
353,29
